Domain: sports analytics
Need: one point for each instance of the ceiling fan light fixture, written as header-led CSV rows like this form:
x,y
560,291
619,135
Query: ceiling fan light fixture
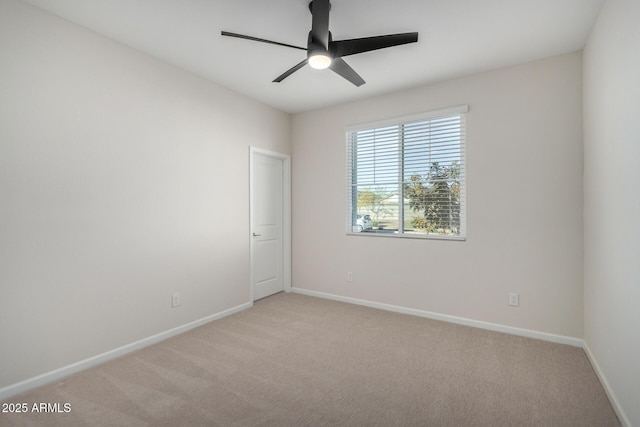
x,y
319,61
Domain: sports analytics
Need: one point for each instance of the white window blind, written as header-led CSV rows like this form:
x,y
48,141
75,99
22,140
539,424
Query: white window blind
x,y
407,177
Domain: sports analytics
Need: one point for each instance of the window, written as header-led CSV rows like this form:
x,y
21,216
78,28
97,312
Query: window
x,y
407,177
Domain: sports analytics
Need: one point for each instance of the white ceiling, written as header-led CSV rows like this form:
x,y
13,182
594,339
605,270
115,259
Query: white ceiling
x,y
456,38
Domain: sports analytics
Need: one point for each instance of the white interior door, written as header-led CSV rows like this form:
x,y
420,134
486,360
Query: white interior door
x,y
268,224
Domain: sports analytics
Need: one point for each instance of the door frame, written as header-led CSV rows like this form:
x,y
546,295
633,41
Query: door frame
x,y
286,213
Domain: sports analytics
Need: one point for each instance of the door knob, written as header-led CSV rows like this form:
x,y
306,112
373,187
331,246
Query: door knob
x,y
256,235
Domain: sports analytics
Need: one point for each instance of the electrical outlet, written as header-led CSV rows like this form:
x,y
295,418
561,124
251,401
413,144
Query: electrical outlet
x,y
349,276
175,299
514,299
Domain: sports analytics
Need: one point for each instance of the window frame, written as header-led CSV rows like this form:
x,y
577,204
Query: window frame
x,y
351,189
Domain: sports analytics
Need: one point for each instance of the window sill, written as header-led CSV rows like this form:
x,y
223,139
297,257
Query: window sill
x,y
396,235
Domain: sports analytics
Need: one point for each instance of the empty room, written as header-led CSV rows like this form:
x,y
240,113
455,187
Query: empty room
x,y
247,213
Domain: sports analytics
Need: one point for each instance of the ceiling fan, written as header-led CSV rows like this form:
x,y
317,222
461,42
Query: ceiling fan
x,y
323,52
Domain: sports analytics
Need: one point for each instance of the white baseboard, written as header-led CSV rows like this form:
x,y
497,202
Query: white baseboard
x,y
622,417
49,377
560,339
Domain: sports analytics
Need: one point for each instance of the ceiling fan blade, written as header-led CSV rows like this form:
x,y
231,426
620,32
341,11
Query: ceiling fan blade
x,y
352,46
255,39
320,22
290,71
339,66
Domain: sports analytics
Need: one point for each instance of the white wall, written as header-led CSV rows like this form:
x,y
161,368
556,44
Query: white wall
x,y
524,212
122,180
612,201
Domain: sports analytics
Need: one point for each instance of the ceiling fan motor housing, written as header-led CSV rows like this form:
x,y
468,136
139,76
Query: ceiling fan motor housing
x,y
316,48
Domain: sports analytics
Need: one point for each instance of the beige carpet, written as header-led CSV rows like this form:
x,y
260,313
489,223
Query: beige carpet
x,y
294,360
